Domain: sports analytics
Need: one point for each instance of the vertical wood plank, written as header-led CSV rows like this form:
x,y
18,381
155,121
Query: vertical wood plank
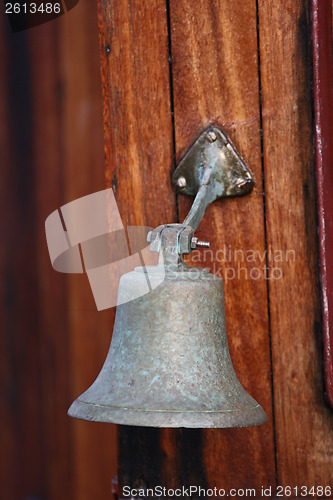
x,y
139,156
51,290
304,426
54,340
69,124
94,445
21,417
215,80
7,468
137,120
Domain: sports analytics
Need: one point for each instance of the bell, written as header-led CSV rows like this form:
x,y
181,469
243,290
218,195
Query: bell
x,y
169,363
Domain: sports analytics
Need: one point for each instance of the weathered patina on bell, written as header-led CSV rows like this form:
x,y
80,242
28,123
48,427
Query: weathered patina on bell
x,y
169,363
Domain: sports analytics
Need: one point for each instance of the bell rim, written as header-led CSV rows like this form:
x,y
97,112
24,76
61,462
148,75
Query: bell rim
x,y
238,418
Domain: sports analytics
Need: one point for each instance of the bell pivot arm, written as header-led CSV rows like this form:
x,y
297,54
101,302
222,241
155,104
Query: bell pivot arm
x,y
211,169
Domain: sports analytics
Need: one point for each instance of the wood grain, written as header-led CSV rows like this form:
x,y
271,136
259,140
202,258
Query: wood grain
x,y
139,158
90,330
50,288
304,426
137,119
215,80
53,339
21,408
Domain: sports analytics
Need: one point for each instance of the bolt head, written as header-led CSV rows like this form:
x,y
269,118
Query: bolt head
x,y
211,136
181,182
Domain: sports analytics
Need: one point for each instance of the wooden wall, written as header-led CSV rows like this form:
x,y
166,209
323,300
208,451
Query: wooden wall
x,y
53,340
167,73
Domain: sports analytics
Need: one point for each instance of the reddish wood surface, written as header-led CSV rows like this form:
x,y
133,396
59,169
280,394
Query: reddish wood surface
x,y
137,119
215,80
22,453
323,100
216,77
94,465
53,340
50,290
139,156
304,426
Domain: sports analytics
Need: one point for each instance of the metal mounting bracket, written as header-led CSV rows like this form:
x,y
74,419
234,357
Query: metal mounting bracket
x,y
211,169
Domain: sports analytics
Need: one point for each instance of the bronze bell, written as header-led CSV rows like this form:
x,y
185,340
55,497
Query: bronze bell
x,y
169,363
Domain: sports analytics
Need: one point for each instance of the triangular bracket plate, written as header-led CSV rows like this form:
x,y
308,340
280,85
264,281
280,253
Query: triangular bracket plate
x,y
213,149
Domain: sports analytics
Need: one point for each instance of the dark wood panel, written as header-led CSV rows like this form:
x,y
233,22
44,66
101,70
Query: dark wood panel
x,y
94,445
50,288
215,80
304,426
53,339
21,407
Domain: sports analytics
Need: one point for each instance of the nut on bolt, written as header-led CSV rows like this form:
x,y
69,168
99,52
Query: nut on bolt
x,y
195,242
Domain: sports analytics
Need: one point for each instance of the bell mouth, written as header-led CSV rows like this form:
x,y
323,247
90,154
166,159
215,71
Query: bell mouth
x,y
236,418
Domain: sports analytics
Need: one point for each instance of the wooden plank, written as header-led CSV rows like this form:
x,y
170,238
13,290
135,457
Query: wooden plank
x,y
94,446
21,417
69,123
304,426
50,287
68,114
54,340
137,120
139,157
323,99
7,431
215,80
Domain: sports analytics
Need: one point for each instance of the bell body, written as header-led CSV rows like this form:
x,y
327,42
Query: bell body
x,y
169,363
